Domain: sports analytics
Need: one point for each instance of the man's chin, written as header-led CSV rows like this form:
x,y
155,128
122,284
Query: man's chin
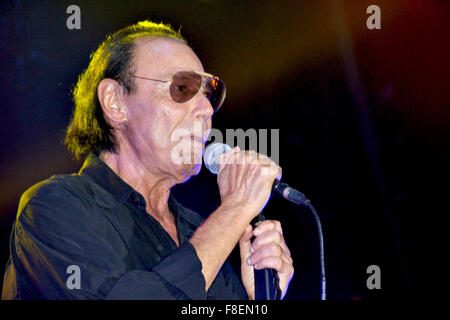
x,y
189,171
195,169
188,165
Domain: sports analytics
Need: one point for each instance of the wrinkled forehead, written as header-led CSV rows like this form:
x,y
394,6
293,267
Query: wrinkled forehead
x,y
155,56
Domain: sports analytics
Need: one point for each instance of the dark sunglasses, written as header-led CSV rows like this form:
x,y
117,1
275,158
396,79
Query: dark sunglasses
x,y
185,85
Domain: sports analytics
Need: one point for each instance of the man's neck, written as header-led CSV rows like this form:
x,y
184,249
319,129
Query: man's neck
x,y
154,187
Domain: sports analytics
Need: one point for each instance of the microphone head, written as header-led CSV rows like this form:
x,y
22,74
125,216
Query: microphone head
x,y
211,156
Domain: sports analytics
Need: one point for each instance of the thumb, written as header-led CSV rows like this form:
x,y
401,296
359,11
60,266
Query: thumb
x,y
245,243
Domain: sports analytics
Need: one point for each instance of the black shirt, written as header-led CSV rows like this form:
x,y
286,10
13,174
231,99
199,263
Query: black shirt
x,y
96,222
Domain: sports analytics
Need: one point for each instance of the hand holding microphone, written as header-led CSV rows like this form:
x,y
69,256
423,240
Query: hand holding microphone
x,y
213,159
215,151
246,180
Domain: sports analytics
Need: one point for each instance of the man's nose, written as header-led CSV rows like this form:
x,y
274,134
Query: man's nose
x,y
202,107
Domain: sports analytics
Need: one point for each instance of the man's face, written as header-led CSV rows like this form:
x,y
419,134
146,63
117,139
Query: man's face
x,y
167,137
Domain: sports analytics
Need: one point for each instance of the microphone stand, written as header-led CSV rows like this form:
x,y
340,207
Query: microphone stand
x,y
266,280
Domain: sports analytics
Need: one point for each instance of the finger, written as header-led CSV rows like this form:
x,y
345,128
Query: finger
x,y
253,158
280,173
228,169
276,263
259,158
268,250
250,157
271,248
245,244
268,225
271,170
266,238
227,158
247,234
265,160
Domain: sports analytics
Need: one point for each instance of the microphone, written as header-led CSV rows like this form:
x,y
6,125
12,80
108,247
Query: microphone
x,y
211,160
266,280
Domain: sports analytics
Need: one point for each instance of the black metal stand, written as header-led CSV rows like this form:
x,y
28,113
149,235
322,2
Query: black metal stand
x,y
266,280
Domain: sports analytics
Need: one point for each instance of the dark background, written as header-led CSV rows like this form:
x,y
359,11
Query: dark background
x,y
363,119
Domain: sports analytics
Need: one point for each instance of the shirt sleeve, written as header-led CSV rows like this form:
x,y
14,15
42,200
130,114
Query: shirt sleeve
x,y
56,231
167,281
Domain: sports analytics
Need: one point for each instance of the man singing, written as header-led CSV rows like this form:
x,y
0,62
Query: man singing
x,y
115,222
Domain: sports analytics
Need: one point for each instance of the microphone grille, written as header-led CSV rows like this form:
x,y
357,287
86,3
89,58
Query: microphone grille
x,y
211,156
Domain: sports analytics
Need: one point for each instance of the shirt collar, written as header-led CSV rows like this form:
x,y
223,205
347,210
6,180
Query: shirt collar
x,y
110,190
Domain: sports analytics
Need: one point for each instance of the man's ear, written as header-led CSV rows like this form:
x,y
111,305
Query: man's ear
x,y
110,96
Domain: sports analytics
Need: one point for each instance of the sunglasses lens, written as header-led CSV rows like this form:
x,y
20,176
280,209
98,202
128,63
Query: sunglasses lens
x,y
215,91
184,86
